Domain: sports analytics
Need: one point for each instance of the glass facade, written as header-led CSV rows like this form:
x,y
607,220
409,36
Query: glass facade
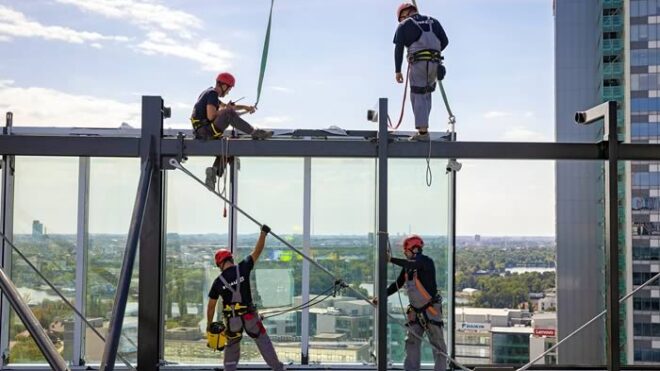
x,y
45,231
510,347
645,177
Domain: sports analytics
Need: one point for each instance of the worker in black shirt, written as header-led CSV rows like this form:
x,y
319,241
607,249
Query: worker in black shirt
x,y
210,117
424,38
238,310
425,309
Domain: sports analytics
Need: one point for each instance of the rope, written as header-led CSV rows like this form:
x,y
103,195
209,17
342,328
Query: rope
x,y
264,53
307,304
66,301
403,104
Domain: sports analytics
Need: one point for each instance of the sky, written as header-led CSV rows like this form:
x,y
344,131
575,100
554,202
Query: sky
x,y
86,63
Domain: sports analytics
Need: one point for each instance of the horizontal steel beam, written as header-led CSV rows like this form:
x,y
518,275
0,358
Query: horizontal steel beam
x,y
20,145
94,146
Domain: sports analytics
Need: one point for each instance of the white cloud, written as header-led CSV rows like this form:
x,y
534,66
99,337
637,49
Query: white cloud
x,y
15,24
522,134
37,106
147,14
210,55
504,114
169,32
281,89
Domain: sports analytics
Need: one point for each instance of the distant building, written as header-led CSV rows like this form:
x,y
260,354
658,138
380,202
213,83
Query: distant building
x,y
477,238
544,336
510,344
473,331
37,229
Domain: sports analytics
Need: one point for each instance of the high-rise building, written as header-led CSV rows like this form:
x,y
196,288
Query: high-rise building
x,y
607,50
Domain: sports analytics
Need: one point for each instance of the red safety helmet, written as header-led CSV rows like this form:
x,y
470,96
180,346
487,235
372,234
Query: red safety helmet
x,y
226,78
413,242
402,7
221,255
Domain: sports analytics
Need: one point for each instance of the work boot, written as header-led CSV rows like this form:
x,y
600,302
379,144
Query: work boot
x,y
261,134
211,177
421,137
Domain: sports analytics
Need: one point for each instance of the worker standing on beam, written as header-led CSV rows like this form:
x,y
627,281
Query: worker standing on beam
x,y
425,309
211,117
424,38
239,312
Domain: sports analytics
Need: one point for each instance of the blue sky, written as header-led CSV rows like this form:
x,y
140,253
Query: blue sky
x,y
86,63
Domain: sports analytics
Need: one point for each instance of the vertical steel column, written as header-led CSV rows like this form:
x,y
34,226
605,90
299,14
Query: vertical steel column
x,y
7,228
381,272
451,241
152,255
234,166
307,216
612,237
82,246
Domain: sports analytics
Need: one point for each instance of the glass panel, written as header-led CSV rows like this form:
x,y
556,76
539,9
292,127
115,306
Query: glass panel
x,y
195,228
112,191
343,241
415,208
518,226
271,191
639,263
45,230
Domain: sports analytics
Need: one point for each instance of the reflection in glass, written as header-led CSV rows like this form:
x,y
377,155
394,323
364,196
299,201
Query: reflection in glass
x,y
113,184
45,231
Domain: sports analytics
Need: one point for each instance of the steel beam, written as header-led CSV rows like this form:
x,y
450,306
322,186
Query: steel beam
x,y
381,271
130,147
152,254
7,229
24,145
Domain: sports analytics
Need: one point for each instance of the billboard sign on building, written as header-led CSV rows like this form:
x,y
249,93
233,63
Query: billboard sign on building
x,y
473,326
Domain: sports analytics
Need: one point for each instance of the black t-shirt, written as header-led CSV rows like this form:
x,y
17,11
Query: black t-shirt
x,y
208,96
425,269
218,289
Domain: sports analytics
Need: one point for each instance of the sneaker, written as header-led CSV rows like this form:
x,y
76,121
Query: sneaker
x,y
261,134
211,174
421,137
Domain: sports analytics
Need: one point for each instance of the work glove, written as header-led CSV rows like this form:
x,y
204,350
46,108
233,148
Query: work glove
x,y
265,229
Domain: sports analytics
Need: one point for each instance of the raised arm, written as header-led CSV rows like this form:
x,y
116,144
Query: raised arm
x,y
261,243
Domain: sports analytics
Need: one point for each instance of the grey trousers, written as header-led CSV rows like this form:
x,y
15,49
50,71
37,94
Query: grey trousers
x,y
413,358
255,329
422,74
228,117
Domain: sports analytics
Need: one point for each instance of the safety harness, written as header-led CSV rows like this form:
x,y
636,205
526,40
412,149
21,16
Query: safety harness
x,y
234,311
421,313
429,56
199,124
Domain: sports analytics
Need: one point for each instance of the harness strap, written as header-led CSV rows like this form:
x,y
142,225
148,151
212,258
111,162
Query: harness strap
x,y
198,124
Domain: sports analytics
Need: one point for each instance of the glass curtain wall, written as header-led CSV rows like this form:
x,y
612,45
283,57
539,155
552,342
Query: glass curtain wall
x,y
45,224
415,207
